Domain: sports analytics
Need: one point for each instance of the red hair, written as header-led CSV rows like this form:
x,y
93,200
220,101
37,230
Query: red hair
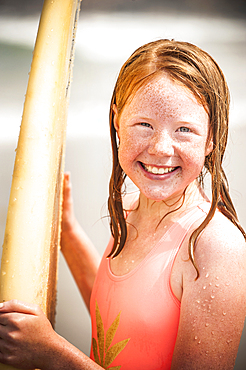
x,y
197,70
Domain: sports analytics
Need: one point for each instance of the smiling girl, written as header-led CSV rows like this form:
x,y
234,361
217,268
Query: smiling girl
x,y
170,291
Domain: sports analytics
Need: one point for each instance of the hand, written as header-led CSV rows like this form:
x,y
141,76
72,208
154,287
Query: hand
x,y
26,335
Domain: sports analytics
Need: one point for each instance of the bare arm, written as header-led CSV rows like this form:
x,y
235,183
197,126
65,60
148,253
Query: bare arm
x,y
79,252
28,341
213,307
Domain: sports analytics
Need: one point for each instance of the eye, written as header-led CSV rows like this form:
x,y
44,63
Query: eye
x,y
184,129
145,124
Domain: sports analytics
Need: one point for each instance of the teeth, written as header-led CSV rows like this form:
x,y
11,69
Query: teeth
x,y
158,170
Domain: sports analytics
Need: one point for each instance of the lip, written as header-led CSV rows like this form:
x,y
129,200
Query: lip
x,y
159,175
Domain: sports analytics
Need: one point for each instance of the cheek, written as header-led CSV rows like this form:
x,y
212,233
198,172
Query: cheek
x,y
195,158
130,147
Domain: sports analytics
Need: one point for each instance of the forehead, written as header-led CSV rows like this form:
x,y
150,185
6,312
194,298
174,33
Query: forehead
x,y
164,97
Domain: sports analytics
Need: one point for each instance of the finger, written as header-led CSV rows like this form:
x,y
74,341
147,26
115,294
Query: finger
x,y
67,176
20,307
67,194
4,330
67,184
7,318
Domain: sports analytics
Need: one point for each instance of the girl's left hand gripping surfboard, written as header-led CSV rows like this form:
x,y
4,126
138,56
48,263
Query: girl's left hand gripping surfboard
x,y
31,242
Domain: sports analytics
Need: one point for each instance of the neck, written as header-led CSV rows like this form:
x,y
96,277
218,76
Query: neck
x,y
193,195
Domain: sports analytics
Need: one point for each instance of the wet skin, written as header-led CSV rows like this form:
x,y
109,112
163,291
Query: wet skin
x,y
163,134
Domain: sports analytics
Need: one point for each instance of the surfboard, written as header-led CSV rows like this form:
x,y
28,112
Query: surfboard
x,y
32,233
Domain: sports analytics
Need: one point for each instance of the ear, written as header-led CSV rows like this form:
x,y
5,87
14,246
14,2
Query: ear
x,y
116,119
210,145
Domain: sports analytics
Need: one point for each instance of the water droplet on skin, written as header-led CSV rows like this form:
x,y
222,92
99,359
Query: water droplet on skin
x,y
207,275
204,287
212,332
198,301
217,278
206,324
206,352
3,273
224,313
199,342
195,337
217,285
212,296
229,341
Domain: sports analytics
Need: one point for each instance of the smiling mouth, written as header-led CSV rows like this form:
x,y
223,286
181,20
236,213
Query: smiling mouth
x,y
157,170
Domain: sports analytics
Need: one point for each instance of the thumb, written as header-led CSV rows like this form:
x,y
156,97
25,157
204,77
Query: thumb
x,y
15,305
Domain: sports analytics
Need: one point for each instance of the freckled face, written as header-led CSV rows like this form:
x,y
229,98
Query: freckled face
x,y
163,134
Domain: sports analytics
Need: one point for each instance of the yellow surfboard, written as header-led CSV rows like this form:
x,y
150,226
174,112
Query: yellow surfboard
x,y
31,242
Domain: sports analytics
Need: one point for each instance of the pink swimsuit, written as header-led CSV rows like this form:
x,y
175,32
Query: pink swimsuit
x,y
135,317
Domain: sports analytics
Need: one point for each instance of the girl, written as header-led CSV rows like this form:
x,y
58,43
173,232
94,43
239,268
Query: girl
x,y
171,287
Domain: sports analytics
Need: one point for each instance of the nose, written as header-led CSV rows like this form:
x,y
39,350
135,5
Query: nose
x,y
161,144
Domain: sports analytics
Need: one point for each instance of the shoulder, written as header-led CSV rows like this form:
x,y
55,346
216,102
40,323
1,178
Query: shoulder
x,y
220,254
222,241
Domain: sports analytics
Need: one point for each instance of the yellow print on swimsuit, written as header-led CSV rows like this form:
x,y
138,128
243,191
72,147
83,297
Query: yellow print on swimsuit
x,y
104,355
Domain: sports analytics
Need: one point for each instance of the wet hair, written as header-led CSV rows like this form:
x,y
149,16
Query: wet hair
x,y
197,70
